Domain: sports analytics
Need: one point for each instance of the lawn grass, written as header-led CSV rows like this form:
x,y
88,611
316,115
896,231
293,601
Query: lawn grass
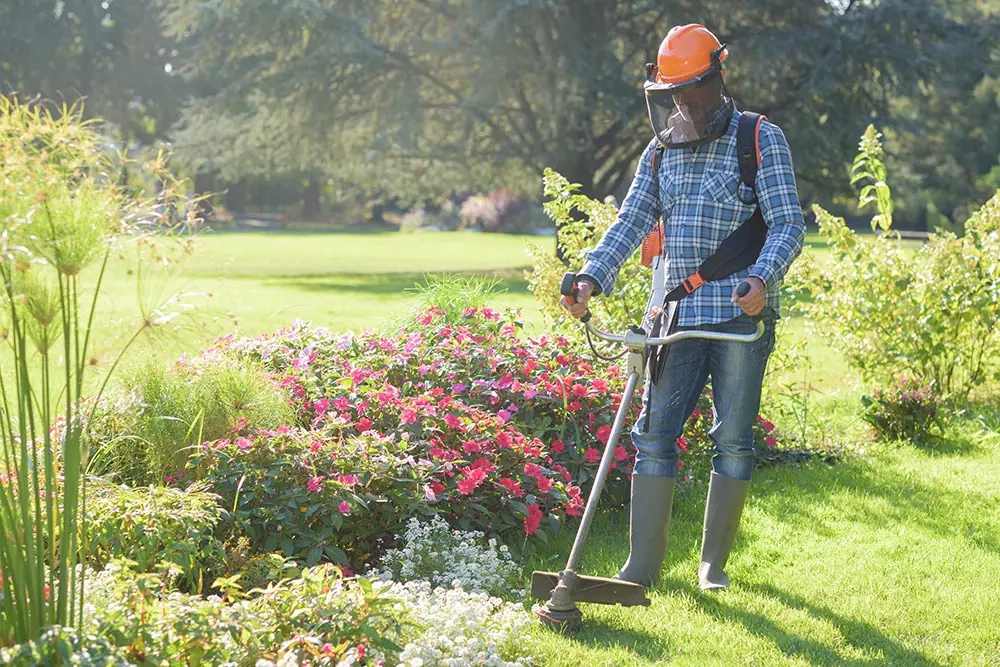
x,y
890,559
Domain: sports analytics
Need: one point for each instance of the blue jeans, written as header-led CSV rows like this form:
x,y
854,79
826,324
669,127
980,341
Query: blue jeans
x,y
737,372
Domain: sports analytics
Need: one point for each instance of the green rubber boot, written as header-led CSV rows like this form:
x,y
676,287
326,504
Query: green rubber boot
x,y
726,497
649,526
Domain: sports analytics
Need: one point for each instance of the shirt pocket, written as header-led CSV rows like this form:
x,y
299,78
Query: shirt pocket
x,y
721,186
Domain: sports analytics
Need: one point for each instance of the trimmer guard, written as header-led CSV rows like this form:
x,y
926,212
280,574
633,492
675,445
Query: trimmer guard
x,y
597,590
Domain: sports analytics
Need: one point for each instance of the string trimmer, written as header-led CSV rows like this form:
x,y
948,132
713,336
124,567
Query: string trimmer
x,y
563,590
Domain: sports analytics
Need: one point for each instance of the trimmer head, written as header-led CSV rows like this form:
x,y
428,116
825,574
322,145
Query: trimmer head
x,y
564,589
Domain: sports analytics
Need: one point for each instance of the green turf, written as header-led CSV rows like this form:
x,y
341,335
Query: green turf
x,y
886,560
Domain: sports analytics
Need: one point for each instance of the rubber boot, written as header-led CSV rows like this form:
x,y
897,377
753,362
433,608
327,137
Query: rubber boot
x,y
649,526
726,497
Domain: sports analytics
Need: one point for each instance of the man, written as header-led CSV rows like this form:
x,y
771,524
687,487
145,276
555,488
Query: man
x,y
695,187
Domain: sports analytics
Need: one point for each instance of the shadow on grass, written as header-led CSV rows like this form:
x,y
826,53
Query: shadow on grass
x,y
601,634
512,281
858,634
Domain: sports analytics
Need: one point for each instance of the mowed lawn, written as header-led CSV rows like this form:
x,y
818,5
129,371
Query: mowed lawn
x,y
888,558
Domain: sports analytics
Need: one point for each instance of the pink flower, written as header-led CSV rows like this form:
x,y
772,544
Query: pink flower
x,y
327,649
592,455
458,388
344,507
620,453
696,413
408,416
314,484
348,480
770,441
503,416
364,424
321,406
316,446
532,470
599,385
244,445
471,479
513,488
544,484
429,493
533,519
452,421
471,447
503,439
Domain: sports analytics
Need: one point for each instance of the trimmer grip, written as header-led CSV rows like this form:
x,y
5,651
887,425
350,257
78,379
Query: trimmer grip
x,y
569,289
741,291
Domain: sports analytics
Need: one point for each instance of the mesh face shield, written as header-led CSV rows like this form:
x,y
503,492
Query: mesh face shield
x,y
689,114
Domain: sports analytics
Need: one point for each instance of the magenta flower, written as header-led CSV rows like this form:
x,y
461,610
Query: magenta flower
x,y
452,421
314,484
244,445
344,507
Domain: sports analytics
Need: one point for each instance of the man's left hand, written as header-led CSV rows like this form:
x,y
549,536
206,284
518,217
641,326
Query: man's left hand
x,y
753,302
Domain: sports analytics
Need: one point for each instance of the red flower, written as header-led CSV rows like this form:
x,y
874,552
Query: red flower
x,y
471,479
532,470
603,433
533,519
513,488
314,484
599,385
471,446
620,453
544,484
579,390
770,441
364,424
574,406
503,439
557,446
408,416
682,444
592,455
452,421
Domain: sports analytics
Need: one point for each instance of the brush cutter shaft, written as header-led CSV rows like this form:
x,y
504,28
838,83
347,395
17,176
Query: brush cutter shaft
x,y
680,335
602,472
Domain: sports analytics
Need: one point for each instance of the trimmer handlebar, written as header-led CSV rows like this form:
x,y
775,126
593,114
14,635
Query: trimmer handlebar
x,y
569,288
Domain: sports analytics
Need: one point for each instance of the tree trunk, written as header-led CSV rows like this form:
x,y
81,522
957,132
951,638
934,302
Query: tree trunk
x,y
310,197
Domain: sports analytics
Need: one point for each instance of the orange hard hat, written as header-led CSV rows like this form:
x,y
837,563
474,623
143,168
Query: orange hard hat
x,y
686,53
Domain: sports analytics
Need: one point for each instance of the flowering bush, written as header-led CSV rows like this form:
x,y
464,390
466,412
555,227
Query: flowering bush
x,y
499,211
310,496
905,410
434,552
462,628
63,646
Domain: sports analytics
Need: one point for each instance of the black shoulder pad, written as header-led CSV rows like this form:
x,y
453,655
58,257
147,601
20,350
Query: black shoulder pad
x,y
748,146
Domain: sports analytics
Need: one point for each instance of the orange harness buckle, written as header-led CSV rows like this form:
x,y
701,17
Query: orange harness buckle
x,y
693,282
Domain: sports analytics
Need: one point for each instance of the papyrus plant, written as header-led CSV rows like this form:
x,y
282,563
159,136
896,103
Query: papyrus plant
x,y
62,214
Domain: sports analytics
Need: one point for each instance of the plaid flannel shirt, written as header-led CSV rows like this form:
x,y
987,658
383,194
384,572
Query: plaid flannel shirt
x,y
700,196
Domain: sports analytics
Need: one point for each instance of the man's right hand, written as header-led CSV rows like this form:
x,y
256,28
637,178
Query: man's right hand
x,y
584,292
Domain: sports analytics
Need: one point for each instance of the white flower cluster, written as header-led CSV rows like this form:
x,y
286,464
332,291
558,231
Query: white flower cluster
x,y
433,552
460,628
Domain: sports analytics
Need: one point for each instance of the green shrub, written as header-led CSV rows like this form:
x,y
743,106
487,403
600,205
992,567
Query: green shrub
x,y
906,410
930,312
311,497
156,527
143,432
63,646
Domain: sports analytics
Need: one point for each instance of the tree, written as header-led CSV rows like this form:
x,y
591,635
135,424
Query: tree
x,y
421,97
113,53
